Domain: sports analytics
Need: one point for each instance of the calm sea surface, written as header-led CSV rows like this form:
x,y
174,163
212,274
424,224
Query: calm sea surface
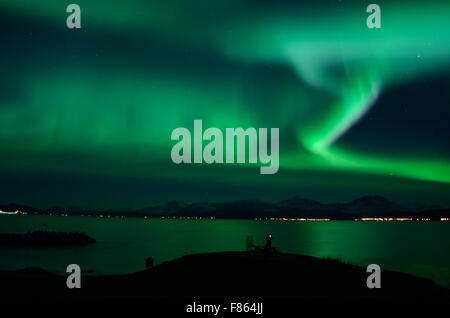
x,y
123,244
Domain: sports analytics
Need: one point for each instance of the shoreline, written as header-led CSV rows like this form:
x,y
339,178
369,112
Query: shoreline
x,y
268,219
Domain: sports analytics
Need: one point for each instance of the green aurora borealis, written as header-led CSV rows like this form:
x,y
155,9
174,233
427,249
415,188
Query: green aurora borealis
x,y
86,115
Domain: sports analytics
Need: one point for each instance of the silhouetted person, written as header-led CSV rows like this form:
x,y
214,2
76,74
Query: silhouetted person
x,y
268,245
149,262
250,244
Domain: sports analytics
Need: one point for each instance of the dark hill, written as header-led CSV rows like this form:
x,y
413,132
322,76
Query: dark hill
x,y
230,274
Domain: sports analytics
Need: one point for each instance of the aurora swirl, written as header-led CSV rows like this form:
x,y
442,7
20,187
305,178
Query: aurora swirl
x,y
86,115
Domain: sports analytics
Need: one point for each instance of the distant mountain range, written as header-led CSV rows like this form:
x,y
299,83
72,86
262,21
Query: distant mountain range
x,y
296,207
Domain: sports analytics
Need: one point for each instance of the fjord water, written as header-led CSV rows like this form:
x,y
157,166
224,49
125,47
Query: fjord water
x,y
123,244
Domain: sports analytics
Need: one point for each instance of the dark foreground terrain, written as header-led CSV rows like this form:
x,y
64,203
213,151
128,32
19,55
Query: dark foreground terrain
x,y
256,274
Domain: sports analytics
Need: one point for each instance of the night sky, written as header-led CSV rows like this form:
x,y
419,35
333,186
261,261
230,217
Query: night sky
x,y
86,115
